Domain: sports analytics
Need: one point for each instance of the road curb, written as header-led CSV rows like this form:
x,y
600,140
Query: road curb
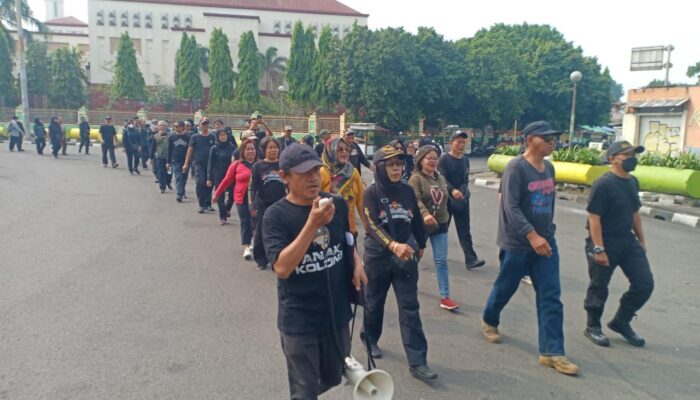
x,y
646,210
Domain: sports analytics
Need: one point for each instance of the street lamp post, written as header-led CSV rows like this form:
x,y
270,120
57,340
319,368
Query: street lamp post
x,y
280,89
575,77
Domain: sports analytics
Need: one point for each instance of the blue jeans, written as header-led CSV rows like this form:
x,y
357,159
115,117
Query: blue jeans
x,y
439,242
180,178
160,171
246,223
544,272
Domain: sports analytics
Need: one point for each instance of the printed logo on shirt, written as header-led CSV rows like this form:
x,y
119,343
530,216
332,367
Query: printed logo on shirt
x,y
398,212
272,176
437,195
542,196
322,238
318,261
353,152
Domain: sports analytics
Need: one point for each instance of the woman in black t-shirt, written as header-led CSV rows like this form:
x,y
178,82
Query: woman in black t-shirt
x,y
265,189
394,242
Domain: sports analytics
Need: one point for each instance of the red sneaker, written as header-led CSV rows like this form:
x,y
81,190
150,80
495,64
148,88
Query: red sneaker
x,y
448,304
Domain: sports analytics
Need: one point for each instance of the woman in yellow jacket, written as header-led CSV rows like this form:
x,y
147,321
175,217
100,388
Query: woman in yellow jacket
x,y
340,177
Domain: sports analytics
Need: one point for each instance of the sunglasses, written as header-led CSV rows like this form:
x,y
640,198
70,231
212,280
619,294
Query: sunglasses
x,y
549,138
394,163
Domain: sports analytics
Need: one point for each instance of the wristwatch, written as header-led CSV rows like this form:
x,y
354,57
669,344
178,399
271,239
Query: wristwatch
x,y
598,249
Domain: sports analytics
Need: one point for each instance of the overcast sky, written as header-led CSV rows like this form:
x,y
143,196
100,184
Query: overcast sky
x,y
604,29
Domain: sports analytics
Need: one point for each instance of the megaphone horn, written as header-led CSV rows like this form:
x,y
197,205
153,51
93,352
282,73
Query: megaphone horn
x,y
373,385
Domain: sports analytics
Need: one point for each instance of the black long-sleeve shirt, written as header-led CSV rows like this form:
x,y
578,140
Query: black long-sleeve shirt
x,y
84,129
219,160
404,213
455,170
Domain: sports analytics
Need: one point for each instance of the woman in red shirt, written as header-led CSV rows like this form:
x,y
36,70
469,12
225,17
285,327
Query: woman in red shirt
x,y
238,175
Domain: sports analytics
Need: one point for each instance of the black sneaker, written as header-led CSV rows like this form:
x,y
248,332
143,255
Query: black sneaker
x,y
137,172
625,329
422,372
178,199
162,191
170,187
475,264
201,211
262,267
115,165
145,168
131,173
375,351
210,209
596,335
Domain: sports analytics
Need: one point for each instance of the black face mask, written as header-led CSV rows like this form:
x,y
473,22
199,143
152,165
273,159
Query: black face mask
x,y
629,164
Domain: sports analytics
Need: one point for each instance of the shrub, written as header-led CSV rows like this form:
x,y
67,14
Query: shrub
x,y
579,155
685,160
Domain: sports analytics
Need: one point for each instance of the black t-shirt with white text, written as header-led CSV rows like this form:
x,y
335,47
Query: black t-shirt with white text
x,y
266,186
616,200
304,300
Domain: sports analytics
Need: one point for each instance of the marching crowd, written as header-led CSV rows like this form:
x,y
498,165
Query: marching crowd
x,y
279,187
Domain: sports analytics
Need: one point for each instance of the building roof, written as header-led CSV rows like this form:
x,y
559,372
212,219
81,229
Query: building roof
x,y
657,103
331,7
66,21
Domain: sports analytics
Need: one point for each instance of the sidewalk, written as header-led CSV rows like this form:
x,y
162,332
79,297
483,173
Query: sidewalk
x,y
654,205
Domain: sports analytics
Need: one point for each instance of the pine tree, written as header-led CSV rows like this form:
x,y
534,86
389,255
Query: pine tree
x,y
8,92
326,70
300,67
189,84
66,89
38,61
220,67
128,80
249,71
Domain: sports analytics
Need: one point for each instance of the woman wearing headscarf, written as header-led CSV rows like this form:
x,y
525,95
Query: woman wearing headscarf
x,y
339,176
265,188
431,193
237,179
219,160
394,242
40,134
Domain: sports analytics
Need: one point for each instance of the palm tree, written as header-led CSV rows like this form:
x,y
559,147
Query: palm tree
x,y
273,68
8,17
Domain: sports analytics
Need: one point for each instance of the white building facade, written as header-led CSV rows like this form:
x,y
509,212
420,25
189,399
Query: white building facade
x,y
156,27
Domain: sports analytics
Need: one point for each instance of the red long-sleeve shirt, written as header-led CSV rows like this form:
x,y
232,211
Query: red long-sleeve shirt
x,y
238,173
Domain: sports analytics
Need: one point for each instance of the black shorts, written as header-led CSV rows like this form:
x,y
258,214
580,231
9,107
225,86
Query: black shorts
x,y
314,361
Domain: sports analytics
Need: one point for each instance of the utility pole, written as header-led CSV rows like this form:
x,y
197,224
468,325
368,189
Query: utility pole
x,y
22,66
668,64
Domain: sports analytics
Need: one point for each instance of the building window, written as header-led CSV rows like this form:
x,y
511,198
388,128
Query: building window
x,y
188,21
148,21
164,21
314,29
112,18
176,21
346,30
335,30
277,27
136,18
125,19
100,18
288,27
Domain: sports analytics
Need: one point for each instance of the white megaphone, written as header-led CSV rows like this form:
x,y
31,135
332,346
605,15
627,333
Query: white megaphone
x,y
373,385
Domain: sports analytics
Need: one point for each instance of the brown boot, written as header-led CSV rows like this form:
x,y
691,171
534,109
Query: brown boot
x,y
560,363
490,333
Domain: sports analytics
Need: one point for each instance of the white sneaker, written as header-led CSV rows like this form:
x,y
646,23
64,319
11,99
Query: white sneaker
x,y
248,254
526,279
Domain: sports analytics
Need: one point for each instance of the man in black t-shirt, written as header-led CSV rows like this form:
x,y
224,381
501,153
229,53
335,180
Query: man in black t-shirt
x,y
108,135
314,258
616,238
357,157
454,166
198,152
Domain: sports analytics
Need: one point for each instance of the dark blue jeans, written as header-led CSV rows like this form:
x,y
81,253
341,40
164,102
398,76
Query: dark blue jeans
x,y
161,172
246,223
180,178
544,272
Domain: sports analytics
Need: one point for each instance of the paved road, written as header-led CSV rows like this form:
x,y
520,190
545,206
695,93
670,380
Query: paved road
x,y
110,290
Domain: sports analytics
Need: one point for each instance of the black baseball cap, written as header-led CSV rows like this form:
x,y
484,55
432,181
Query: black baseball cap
x,y
623,146
539,128
386,152
459,133
299,158
108,117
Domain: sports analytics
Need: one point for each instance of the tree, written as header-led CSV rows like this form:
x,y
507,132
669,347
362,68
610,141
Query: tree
x,y
220,67
163,94
521,72
128,80
273,69
694,70
354,62
8,18
249,71
189,83
66,89
38,75
299,72
8,92
326,70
